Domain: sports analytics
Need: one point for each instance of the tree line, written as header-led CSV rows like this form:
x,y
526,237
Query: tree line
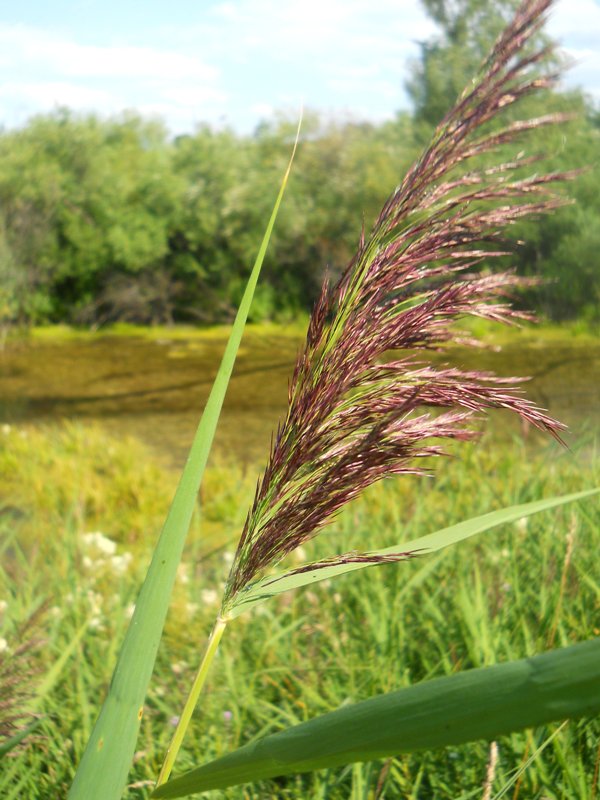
x,y
113,219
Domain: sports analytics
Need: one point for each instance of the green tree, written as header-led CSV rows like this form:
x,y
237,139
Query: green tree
x,y
84,201
564,248
467,30
561,249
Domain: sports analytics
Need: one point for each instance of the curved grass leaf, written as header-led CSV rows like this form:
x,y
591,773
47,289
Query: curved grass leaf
x,y
270,586
102,773
14,741
475,704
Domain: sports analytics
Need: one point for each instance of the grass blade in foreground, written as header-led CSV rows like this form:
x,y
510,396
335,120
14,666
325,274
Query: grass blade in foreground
x,y
475,704
103,770
276,584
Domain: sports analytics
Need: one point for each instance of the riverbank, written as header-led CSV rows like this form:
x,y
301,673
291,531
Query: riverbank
x,y
486,331
153,382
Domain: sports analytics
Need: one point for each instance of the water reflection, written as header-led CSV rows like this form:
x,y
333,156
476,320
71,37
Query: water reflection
x,y
156,388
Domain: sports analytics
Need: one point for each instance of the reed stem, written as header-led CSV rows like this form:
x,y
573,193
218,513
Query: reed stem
x,y
190,704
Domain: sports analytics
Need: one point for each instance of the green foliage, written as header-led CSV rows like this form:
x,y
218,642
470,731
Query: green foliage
x,y
106,220
84,201
109,220
564,251
268,587
344,173
507,596
448,62
559,250
471,705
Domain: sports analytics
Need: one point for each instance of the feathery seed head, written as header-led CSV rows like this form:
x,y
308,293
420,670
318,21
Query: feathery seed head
x,y
353,418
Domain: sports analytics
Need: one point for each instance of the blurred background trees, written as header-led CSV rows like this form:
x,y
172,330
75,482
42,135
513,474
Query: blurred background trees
x,y
112,219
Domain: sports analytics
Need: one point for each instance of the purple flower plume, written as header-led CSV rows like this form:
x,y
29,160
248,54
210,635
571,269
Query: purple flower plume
x,y
354,418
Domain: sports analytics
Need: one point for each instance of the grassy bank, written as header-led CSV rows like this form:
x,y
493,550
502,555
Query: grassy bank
x,y
489,332
80,515
58,333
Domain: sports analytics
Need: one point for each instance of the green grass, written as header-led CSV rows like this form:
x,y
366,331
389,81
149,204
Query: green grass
x,y
515,592
295,328
545,330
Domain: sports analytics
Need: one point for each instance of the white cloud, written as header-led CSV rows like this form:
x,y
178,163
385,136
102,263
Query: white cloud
x,y
53,70
25,45
348,32
46,94
20,100
239,58
575,24
349,55
262,110
192,95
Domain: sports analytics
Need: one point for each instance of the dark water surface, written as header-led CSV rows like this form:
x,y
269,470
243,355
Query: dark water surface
x,y
155,388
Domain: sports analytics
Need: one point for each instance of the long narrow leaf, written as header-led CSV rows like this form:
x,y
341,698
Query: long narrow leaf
x,y
103,770
16,740
475,704
270,586
55,671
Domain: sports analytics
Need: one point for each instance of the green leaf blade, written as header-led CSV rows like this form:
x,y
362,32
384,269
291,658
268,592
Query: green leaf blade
x,y
471,705
14,741
270,586
102,772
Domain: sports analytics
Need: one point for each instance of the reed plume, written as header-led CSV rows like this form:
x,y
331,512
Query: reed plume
x,y
363,405
359,409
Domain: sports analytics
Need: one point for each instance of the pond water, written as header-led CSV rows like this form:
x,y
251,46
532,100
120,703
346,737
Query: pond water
x,y
155,388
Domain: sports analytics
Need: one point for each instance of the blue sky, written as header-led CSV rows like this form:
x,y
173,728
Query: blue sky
x,y
232,61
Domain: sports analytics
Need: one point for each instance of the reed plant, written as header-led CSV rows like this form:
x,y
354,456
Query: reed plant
x,y
18,683
365,403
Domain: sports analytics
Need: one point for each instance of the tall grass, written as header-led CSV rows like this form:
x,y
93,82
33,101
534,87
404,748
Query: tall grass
x,y
494,599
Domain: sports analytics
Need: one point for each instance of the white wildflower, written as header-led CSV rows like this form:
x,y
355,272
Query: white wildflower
x,y
182,573
129,609
209,597
121,563
3,606
100,542
95,601
300,555
3,644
